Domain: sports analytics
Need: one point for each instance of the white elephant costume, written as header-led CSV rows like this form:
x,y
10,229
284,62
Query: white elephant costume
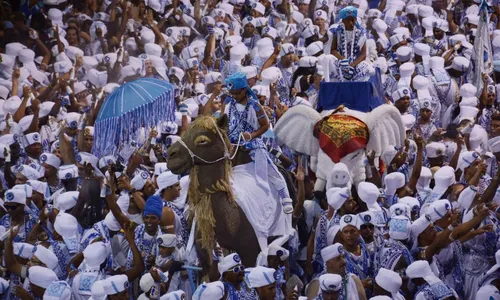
x,y
341,135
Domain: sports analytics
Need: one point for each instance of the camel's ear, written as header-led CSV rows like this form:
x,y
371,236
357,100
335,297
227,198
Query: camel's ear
x,y
222,121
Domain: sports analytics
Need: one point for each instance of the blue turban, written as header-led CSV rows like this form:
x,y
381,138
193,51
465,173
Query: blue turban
x,y
348,11
153,206
237,81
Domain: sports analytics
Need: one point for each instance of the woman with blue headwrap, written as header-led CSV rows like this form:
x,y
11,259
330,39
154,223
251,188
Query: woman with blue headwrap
x,y
247,123
348,46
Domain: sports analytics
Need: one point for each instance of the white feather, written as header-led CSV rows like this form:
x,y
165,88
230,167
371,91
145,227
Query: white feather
x,y
386,128
295,130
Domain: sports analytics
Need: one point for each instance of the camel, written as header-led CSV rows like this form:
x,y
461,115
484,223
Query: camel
x,y
205,151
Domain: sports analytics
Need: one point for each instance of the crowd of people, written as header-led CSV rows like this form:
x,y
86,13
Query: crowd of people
x,y
425,224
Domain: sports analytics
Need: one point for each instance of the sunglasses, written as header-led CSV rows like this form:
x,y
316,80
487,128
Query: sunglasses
x,y
11,207
237,269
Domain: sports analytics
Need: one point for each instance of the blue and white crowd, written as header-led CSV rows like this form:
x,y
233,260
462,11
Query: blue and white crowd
x,y
425,224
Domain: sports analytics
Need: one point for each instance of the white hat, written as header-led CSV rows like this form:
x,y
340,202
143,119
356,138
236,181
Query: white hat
x,y
368,193
443,178
95,254
85,157
419,225
399,227
330,282
397,38
400,93
115,284
337,196
460,63
404,53
310,31
389,281
412,202
366,217
438,209
259,7
238,52
400,209
276,250
249,71
167,179
15,196
435,149
41,276
261,90
177,295
314,48
66,201
46,256
67,226
349,220
270,75
177,72
422,269
32,138
393,181
23,250
146,282
468,90
67,172
468,113
139,180
260,276
425,11
374,13
332,251
308,61
167,240
213,77
229,262
422,49
379,25
210,291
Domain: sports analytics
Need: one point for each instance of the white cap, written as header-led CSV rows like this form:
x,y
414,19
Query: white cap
x,y
435,149
249,71
460,63
389,281
332,251
349,220
229,262
422,49
260,276
115,284
330,282
41,276
438,209
166,180
337,196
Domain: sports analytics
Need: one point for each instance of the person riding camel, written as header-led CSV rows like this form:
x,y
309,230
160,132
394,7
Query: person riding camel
x,y
248,122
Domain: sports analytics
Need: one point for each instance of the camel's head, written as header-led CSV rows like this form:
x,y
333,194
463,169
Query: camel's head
x,y
204,141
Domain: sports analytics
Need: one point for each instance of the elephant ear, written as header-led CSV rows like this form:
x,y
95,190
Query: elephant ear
x,y
386,129
295,129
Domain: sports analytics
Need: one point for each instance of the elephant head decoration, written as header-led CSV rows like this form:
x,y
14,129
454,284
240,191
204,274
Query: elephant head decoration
x,y
337,136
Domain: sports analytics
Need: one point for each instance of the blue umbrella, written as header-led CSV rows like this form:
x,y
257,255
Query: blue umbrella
x,y
141,103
